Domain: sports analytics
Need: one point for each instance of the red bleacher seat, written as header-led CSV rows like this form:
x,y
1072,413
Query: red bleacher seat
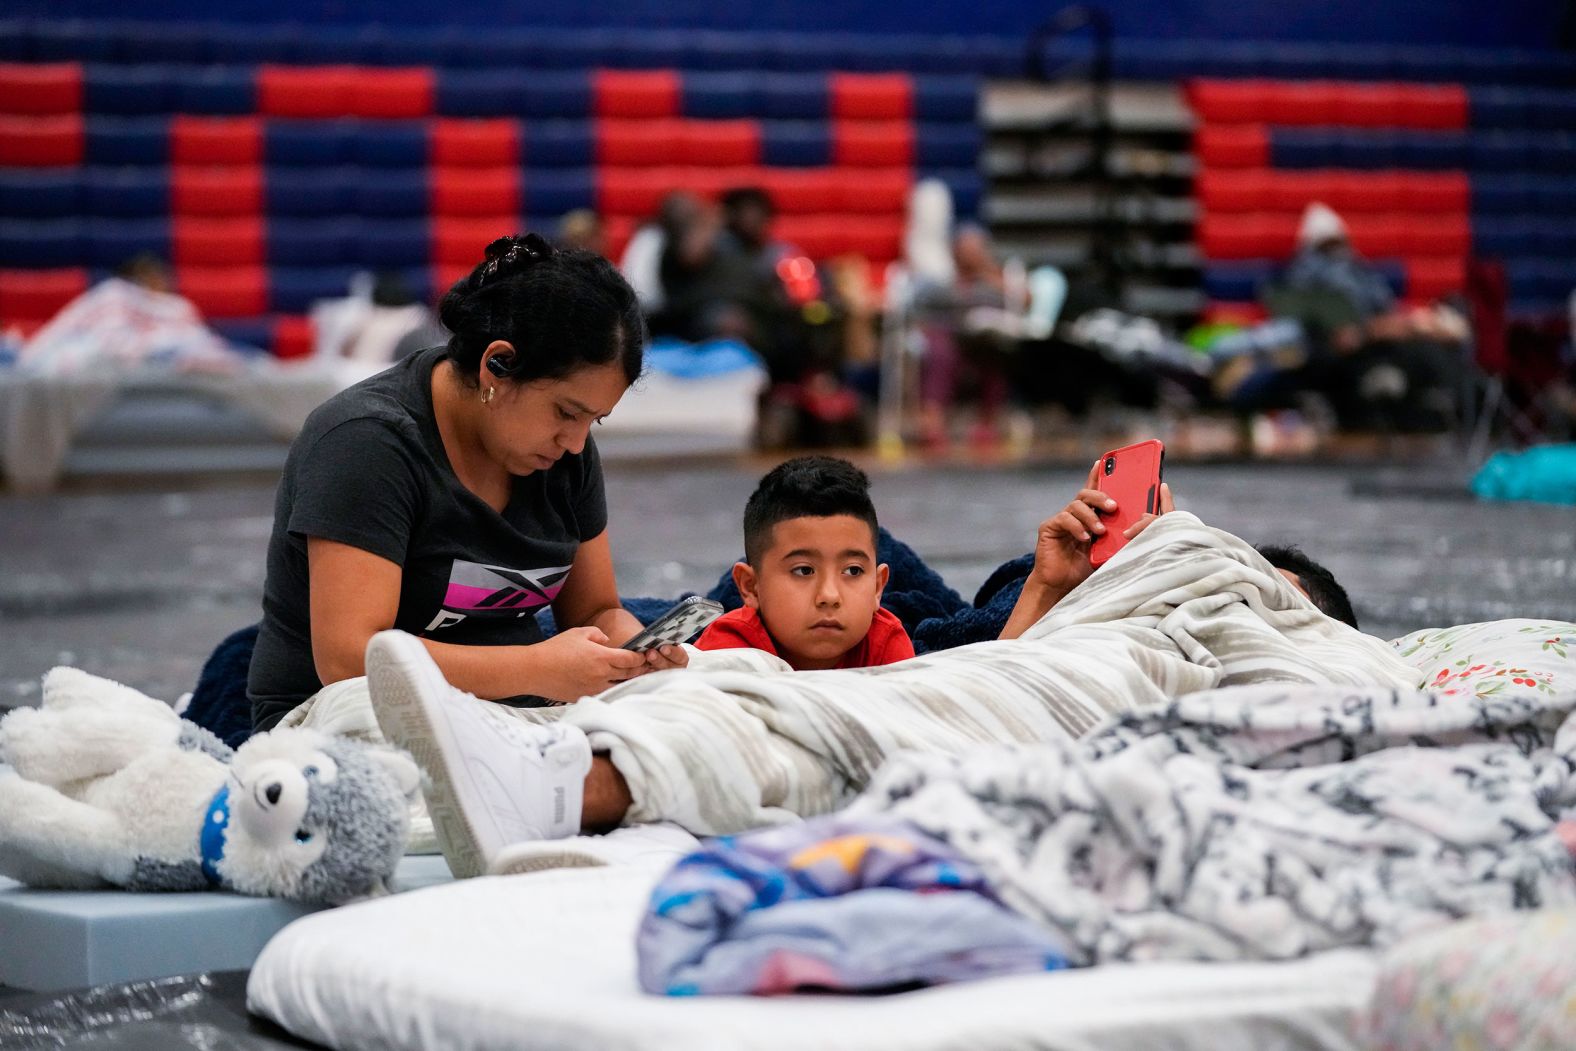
x,y
616,232
391,92
54,87
873,144
707,143
225,291
475,191
635,191
199,241
215,140
1428,279
1367,105
638,143
1237,190
626,93
37,295
875,191
1292,191
459,143
294,337
1437,106
216,191
1304,103
305,91
1258,236
41,142
1435,191
1229,101
459,243
799,191
1380,235
1218,146
1437,236
872,96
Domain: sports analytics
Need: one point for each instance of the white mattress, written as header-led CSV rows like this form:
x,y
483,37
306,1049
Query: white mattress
x,y
547,961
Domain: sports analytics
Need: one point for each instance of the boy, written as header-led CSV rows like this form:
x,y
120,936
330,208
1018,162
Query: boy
x,y
810,581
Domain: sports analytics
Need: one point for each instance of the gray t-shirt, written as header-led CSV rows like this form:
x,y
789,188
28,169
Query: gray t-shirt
x,y
369,470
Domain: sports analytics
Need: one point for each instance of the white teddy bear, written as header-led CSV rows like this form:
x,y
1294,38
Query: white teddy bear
x,y
111,787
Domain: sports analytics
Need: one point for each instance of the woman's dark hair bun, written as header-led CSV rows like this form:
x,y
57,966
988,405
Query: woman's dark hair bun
x,y
561,310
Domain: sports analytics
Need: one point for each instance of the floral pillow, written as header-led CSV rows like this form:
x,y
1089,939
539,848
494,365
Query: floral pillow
x,y
1480,660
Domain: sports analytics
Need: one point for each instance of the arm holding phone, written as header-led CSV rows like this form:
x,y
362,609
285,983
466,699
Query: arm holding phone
x,y
1062,546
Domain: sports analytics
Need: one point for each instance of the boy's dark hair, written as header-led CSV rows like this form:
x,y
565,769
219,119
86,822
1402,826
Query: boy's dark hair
x,y
563,310
1320,584
805,487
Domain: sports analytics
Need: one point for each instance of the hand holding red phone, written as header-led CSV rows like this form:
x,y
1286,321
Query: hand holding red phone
x,y
1063,544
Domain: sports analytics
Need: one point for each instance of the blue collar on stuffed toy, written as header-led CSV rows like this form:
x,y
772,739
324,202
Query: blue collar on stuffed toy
x,y
215,823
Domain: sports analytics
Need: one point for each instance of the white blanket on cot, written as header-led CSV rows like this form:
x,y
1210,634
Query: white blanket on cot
x,y
1183,608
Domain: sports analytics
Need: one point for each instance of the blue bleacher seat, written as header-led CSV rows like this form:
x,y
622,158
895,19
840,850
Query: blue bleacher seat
x,y
215,90
73,40
556,95
942,98
422,46
250,333
1554,153
1553,109
478,93
1541,278
1499,108
386,243
578,48
338,45
796,143
418,282
556,191
1305,148
1295,60
1427,64
46,194
968,189
392,192
558,144
1370,62
1501,195
1427,150
308,242
257,44
388,143
646,49
127,90
40,243
953,145
985,56
306,143
1554,195
1235,283
110,242
720,95
16,40
308,191
1136,59
795,96
126,192
1499,152
170,42
874,53
124,141
1506,236
731,52
293,289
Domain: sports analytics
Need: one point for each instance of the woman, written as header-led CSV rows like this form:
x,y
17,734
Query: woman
x,y
457,493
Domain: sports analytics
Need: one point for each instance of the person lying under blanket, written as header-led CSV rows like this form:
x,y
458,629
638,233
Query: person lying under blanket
x,y
731,744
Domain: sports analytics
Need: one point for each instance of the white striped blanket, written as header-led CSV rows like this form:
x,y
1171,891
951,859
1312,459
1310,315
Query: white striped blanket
x,y
738,741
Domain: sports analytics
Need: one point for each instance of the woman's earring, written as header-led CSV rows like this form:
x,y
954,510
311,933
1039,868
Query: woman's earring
x,y
487,395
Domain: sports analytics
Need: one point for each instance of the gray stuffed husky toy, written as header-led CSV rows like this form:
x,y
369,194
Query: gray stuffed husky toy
x,y
111,787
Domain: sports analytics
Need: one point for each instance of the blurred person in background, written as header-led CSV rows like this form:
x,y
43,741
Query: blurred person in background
x,y
582,229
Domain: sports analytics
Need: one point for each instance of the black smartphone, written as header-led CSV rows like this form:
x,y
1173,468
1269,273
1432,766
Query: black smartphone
x,y
679,624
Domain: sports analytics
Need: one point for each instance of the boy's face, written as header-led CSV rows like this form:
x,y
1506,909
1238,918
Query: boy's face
x,y
817,588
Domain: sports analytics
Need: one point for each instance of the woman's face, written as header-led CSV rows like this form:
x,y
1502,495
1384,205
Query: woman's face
x,y
526,427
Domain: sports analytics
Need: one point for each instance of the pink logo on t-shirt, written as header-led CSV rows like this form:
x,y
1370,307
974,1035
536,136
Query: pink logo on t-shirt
x,y
476,590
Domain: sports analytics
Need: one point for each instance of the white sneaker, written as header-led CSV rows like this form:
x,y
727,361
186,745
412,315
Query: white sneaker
x,y
492,779
643,846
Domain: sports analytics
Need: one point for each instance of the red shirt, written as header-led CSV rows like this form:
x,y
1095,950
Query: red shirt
x,y
885,643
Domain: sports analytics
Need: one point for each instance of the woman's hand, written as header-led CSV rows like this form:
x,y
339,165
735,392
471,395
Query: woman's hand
x,y
578,662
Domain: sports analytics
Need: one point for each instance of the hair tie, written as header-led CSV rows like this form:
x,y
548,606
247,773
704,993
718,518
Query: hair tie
x,y
509,255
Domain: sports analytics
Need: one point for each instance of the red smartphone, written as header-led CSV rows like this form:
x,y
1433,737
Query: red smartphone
x,y
1130,476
